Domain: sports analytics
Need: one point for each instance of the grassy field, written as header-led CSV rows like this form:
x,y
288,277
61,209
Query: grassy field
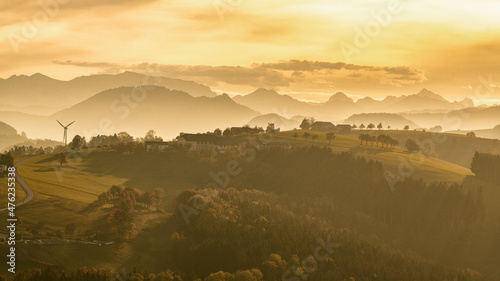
x,y
67,193
394,159
445,145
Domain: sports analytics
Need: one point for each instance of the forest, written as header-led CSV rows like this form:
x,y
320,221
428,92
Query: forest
x,y
304,213
487,166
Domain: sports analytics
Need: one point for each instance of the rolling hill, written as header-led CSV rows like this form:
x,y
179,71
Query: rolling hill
x,y
444,146
484,133
279,121
9,136
387,119
463,119
430,169
7,130
72,189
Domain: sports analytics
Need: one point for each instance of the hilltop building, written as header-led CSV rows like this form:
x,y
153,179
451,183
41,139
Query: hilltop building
x,y
321,126
329,127
156,146
201,142
343,129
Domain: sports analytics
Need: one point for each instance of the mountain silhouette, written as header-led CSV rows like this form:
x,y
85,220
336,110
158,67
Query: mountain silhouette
x,y
340,106
41,90
168,112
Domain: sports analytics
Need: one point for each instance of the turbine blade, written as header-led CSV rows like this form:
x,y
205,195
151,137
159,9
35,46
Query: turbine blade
x,y
59,123
70,124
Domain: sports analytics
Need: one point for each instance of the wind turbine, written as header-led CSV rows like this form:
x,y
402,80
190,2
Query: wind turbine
x,y
65,138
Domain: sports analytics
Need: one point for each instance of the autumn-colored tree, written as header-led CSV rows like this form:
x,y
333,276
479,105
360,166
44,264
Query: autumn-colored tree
x,y
61,158
77,142
121,218
412,145
157,197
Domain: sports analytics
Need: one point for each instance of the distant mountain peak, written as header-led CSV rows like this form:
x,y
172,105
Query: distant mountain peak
x,y
429,94
367,99
467,102
40,75
339,96
262,91
17,76
224,96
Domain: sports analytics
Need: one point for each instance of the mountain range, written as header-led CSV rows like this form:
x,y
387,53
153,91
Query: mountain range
x,y
40,90
104,104
168,112
340,106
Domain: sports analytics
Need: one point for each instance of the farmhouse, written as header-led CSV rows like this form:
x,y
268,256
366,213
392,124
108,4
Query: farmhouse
x,y
246,130
329,127
3,168
156,146
320,126
343,129
201,142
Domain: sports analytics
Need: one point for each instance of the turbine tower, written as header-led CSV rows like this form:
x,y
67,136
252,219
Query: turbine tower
x,y
65,138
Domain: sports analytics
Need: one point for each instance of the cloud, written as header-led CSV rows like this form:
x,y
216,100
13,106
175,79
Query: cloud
x,y
292,75
301,65
306,65
17,12
87,64
235,75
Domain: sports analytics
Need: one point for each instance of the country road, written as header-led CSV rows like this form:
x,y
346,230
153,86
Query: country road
x,y
20,182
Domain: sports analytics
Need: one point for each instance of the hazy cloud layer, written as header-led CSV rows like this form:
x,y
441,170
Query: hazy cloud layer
x,y
290,45
289,76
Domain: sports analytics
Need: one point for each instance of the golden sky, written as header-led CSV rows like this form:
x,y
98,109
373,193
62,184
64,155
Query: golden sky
x,y
309,48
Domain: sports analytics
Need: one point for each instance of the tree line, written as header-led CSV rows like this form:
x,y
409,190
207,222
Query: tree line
x,y
386,140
